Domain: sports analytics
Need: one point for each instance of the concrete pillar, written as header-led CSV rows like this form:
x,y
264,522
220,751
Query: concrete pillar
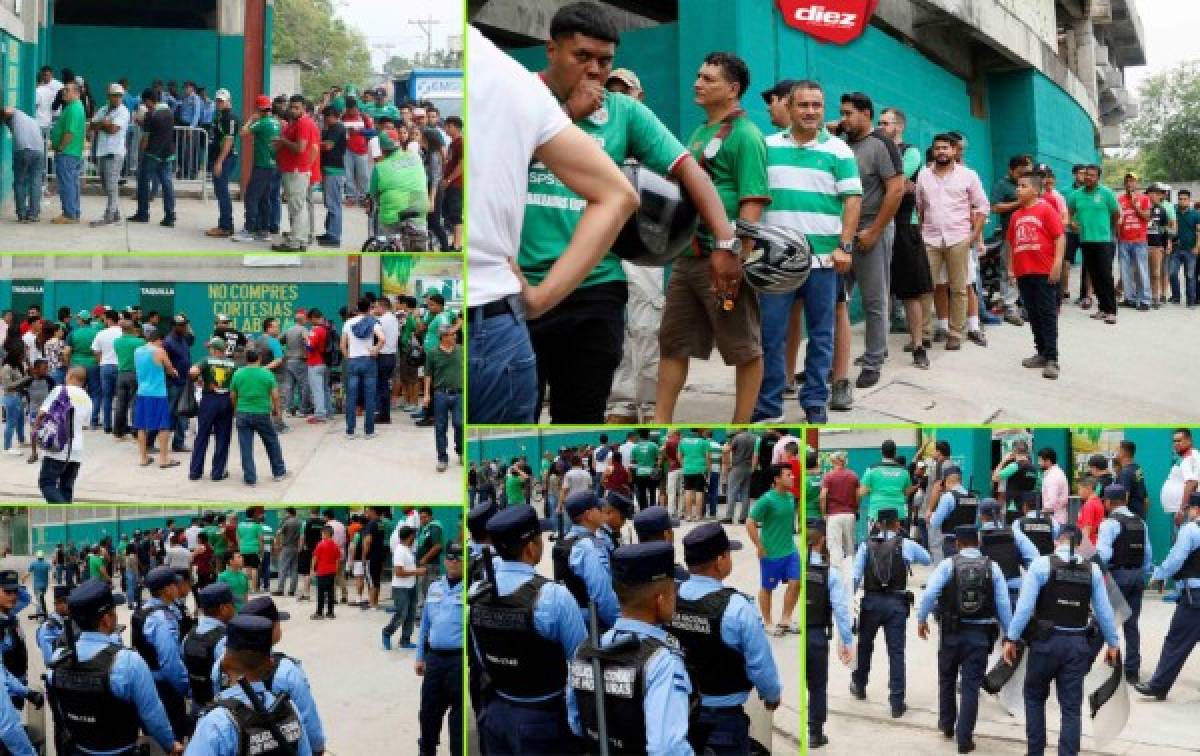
x,y
231,17
1085,56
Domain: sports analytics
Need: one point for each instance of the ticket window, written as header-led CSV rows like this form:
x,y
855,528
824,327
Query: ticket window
x,y
176,14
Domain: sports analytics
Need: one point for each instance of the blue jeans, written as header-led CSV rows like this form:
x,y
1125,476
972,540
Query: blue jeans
x,y
332,186
819,294
1063,660
386,366
1135,272
1184,259
229,169
361,375
257,202
502,370
275,202
447,408
248,424
316,386
57,483
215,419
108,390
29,171
66,171
150,169
95,391
181,423
14,420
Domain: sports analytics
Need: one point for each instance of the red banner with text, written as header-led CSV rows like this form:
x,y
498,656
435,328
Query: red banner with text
x,y
836,21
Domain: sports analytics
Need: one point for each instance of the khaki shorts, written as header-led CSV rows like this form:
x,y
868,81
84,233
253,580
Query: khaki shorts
x,y
692,321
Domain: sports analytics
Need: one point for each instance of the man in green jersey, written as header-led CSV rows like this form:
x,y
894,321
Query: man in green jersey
x,y
645,470
770,529
250,546
215,416
79,354
125,345
263,128
1095,214
578,343
695,459
887,483
812,486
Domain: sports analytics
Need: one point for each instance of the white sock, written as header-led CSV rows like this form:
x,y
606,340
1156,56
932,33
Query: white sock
x,y
972,323
943,324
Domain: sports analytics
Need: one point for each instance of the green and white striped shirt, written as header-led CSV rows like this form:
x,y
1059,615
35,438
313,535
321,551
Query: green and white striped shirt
x,y
808,183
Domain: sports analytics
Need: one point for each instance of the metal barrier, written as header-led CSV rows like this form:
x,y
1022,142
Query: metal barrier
x,y
191,160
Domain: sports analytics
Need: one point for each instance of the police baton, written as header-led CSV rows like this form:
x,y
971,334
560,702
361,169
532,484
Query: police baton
x,y
597,678
289,748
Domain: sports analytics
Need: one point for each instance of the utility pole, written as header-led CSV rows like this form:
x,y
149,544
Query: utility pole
x,y
426,25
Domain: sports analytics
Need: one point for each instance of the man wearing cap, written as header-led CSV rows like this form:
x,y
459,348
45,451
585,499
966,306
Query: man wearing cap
x,y
881,568
1124,546
225,162
1132,233
947,514
39,568
971,598
178,344
110,124
617,509
477,519
523,629
1007,549
582,564
52,628
1059,595
1183,566
1158,232
215,601
79,353
724,643
439,657
262,127
398,189
650,716
232,727
655,524
128,703
125,345
156,638
215,415
255,398
13,650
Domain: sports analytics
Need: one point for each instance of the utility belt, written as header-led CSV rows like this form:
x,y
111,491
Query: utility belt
x,y
447,654
908,596
1043,630
954,625
554,704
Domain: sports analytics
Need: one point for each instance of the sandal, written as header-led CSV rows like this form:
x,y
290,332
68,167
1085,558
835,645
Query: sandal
x,y
1097,315
172,463
780,631
147,463
1110,319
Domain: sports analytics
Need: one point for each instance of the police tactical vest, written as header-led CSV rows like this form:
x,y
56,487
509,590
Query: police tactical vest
x,y
91,716
519,661
141,643
970,594
965,508
1024,479
818,612
561,557
1066,598
999,545
1190,568
1129,547
1040,532
186,621
254,729
885,571
16,656
623,666
199,654
715,668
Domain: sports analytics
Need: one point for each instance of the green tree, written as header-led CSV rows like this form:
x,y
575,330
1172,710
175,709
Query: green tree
x,y
308,30
437,59
1166,131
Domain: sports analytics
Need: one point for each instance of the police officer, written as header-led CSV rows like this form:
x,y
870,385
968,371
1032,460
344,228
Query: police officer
x,y
655,524
971,595
156,637
179,605
955,507
13,652
825,602
103,694
651,715
285,674
439,656
248,712
724,644
581,562
477,520
1183,566
51,629
1035,527
1123,544
1058,594
523,629
14,739
616,508
1019,475
200,645
1000,543
881,567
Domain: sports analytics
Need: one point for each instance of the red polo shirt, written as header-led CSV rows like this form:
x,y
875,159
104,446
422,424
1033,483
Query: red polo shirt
x,y
299,162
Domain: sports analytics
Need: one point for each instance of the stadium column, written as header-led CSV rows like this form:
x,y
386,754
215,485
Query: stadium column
x,y
239,56
1156,456
972,448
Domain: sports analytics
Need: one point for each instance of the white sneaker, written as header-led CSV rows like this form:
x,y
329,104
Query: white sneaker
x,y
15,452
242,236
769,420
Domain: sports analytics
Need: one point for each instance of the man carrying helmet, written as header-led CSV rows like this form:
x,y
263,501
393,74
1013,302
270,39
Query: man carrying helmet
x,y
825,209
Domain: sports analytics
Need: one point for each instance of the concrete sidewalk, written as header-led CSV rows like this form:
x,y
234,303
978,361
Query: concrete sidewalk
x,y
1154,728
398,465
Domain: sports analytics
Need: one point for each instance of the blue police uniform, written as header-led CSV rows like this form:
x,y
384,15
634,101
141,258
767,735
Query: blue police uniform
x,y
590,561
1184,632
15,684
817,646
1025,548
162,630
886,609
964,648
945,506
1063,658
12,731
1130,579
439,646
217,733
48,634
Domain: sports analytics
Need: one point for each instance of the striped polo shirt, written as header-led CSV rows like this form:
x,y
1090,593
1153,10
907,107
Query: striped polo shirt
x,y
807,184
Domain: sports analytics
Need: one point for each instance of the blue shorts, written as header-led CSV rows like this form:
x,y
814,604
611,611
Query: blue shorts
x,y
152,413
780,569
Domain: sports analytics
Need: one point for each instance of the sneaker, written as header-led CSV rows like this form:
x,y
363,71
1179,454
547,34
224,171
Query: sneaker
x,y
1143,307
441,466
1036,361
977,337
242,236
138,219
867,378
369,436
330,615
1050,371
314,420
953,343
262,236
278,478
989,319
329,243
218,233
858,692
841,398
790,390
1014,319
168,222
288,247
920,358
316,616
769,420
940,335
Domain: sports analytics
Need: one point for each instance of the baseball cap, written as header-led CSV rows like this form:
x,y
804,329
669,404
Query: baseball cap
x,y
223,318
83,315
216,343
222,94
116,89
180,320
629,78
98,310
418,112
262,102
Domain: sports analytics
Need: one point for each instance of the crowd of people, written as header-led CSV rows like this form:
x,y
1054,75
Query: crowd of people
x,y
790,225
179,667
404,164
134,376
1015,562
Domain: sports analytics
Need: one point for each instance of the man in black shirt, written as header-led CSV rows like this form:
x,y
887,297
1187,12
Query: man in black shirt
x,y
157,163
374,549
312,536
333,175
1130,475
225,162
235,341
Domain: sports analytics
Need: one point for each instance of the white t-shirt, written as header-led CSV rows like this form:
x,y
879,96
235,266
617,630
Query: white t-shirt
x,y
83,412
31,349
402,556
103,343
601,465
502,92
577,481
114,143
45,102
1187,469
178,557
627,453
192,534
391,332
359,347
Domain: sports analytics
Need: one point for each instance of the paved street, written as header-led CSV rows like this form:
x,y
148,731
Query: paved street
x,y
1155,728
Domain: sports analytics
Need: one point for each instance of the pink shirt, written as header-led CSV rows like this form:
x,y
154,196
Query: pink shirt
x,y
948,204
1057,201
1055,493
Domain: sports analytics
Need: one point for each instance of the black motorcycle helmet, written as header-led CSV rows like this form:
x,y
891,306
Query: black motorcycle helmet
x,y
663,227
779,258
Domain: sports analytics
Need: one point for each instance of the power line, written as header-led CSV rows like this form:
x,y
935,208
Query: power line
x,y
426,25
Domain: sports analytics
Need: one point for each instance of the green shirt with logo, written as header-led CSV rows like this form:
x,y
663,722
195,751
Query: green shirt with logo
x,y
514,489
624,128
738,168
775,514
80,342
693,452
248,534
398,181
887,484
124,346
264,131
645,457
812,496
1093,212
435,322
238,584
253,386
378,111
72,120
95,564
217,374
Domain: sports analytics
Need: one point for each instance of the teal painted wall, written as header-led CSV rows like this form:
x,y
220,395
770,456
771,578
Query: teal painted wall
x,y
13,74
230,57
534,445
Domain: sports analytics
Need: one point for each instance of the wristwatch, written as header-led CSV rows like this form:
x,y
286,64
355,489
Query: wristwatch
x,y
732,244
847,247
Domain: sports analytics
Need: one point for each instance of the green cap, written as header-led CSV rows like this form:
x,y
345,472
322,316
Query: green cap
x,y
215,343
385,142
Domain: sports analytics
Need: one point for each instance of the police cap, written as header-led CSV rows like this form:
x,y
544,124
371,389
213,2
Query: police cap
x,y
477,519
707,542
160,577
249,632
93,598
580,502
513,525
652,522
642,563
213,595
264,606
1114,492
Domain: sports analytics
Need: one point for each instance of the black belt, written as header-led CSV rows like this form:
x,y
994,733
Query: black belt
x,y
449,653
491,309
453,392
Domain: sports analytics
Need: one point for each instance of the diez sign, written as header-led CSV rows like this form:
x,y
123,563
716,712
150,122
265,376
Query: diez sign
x,y
837,21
